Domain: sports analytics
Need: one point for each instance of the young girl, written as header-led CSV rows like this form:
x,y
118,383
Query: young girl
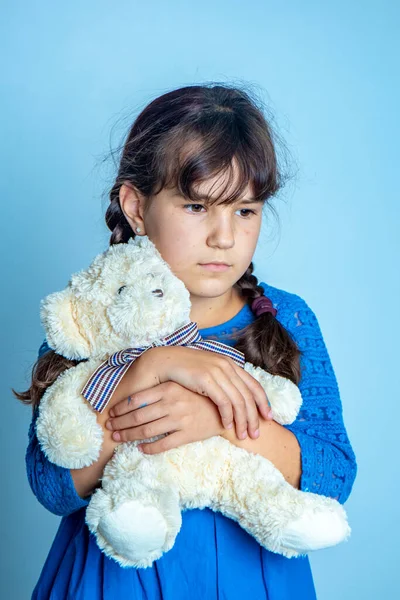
x,y
197,168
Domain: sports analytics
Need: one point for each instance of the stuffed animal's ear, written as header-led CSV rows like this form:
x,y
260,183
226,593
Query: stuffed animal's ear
x,y
58,316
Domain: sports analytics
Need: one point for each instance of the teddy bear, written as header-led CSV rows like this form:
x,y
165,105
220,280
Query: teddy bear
x,y
127,301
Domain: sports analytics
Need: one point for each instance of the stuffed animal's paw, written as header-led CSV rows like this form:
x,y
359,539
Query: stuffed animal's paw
x,y
283,395
319,526
67,427
136,516
136,532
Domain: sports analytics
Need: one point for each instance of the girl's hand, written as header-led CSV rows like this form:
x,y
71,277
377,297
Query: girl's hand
x,y
236,393
164,408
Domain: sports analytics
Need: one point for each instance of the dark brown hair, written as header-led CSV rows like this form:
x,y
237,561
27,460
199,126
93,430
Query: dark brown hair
x,y
180,139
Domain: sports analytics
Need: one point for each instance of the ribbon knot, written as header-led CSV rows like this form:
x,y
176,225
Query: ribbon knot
x,y
101,385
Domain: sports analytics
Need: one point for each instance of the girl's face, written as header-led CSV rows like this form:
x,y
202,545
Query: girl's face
x,y
188,236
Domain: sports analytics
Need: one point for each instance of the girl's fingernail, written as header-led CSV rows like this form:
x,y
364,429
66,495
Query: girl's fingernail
x,y
109,425
116,436
243,435
229,426
270,416
257,432
111,413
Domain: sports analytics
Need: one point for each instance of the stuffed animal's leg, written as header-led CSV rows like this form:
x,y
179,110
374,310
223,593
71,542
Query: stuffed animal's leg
x,y
135,516
248,488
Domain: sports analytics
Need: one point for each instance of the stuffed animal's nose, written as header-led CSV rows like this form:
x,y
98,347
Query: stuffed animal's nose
x,y
158,292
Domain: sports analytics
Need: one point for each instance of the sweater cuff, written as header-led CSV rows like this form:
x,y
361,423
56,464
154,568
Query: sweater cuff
x,y
73,501
317,464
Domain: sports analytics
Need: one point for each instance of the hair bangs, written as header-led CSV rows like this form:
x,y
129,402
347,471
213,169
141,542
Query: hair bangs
x,y
216,148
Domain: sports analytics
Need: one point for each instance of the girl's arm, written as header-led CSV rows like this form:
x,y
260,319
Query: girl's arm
x,y
314,453
277,444
329,464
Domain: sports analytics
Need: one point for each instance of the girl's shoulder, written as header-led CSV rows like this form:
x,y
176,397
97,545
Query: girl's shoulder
x,y
282,299
292,309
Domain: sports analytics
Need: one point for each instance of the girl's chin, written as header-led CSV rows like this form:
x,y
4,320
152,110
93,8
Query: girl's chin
x,y
209,287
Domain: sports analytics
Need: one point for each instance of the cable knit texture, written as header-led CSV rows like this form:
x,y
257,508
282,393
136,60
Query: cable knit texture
x,y
327,458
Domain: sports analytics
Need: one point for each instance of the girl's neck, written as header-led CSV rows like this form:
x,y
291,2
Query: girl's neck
x,y
209,312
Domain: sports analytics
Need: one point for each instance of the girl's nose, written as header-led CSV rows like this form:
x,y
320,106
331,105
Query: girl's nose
x,y
221,234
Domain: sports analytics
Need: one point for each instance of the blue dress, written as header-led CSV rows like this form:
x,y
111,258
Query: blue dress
x,y
213,557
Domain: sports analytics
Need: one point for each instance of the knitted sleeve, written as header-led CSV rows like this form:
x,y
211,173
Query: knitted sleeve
x,y
328,462
52,485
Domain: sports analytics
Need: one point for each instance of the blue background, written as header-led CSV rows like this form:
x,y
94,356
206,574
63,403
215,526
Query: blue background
x,y
73,78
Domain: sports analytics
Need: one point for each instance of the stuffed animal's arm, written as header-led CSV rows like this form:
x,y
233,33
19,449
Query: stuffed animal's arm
x,y
67,427
283,395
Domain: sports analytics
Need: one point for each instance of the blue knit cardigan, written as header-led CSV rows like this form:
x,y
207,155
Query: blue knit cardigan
x,y
327,459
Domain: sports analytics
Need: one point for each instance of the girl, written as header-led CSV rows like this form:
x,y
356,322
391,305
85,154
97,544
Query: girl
x,y
197,168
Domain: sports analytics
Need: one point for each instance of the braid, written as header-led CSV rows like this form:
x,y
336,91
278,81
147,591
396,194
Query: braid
x,y
248,285
265,342
115,219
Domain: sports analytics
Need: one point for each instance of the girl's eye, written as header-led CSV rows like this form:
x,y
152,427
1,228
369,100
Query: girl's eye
x,y
186,206
247,210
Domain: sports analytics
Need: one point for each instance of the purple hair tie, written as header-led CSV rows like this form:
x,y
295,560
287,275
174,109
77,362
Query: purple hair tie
x,y
261,305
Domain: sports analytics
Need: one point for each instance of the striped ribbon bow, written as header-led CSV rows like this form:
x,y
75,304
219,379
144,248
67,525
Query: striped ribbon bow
x,y
102,383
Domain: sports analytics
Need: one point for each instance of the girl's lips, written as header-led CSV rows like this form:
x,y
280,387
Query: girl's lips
x,y
215,267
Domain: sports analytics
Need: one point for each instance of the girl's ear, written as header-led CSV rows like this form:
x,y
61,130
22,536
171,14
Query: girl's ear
x,y
62,330
131,202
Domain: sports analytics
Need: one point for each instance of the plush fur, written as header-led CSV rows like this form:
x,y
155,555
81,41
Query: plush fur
x,y
136,515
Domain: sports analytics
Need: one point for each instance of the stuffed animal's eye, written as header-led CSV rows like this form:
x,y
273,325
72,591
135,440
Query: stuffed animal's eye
x,y
159,293
121,288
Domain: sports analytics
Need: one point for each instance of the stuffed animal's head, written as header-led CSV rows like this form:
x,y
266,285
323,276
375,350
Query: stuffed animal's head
x,y
128,297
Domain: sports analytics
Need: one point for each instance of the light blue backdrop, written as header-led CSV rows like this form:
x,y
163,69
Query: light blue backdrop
x,y
73,72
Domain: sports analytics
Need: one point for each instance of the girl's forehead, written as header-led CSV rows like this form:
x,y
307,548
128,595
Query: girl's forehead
x,y
207,194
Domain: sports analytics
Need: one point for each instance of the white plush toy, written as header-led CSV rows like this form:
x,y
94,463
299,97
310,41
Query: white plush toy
x,y
129,299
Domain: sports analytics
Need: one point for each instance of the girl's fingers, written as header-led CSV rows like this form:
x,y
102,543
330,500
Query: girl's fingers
x,y
211,388
148,430
173,440
137,400
237,400
260,397
250,406
137,417
254,386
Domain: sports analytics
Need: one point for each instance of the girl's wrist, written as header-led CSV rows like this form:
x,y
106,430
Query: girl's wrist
x,y
140,375
159,360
